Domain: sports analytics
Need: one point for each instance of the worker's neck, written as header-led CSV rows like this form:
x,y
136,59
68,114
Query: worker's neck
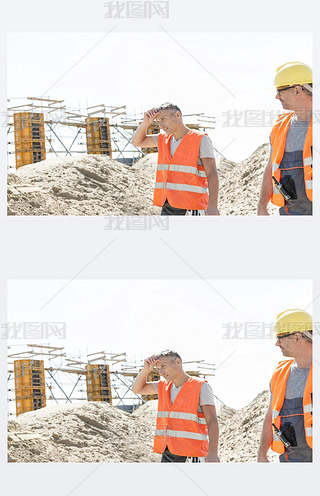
x,y
180,379
304,114
180,132
304,361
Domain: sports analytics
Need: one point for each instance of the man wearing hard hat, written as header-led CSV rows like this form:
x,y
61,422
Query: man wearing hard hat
x,y
287,427
287,180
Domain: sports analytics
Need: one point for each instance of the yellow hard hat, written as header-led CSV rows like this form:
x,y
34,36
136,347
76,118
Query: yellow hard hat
x,y
291,321
293,73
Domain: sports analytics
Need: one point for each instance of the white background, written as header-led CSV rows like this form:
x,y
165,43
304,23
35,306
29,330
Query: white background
x,y
218,74
213,321
212,248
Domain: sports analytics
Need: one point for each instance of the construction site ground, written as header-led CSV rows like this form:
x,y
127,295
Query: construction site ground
x,y
98,432
98,185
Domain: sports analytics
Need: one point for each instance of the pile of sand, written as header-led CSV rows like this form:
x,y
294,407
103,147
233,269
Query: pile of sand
x,y
240,432
80,432
98,185
239,184
98,432
85,185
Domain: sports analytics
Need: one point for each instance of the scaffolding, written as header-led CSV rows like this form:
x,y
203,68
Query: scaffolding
x,y
45,127
45,374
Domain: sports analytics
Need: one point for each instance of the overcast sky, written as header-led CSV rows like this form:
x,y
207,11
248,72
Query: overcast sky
x,y
144,317
213,73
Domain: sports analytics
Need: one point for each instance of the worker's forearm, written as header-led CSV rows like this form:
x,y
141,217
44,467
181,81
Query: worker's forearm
x,y
213,188
140,382
266,188
140,134
213,434
266,437
265,193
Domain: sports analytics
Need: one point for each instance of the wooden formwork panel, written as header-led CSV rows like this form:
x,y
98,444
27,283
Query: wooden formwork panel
x,y
98,136
29,138
98,383
30,389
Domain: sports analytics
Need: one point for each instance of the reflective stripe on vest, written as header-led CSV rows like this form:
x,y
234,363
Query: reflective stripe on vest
x,y
180,426
307,408
278,389
182,434
278,142
184,416
181,187
179,178
275,414
182,168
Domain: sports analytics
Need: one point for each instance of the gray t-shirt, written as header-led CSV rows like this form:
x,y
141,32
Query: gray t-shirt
x,y
206,394
292,166
296,383
206,149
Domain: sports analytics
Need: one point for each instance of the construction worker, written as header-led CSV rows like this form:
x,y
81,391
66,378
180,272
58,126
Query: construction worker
x,y
287,426
287,179
187,179
187,425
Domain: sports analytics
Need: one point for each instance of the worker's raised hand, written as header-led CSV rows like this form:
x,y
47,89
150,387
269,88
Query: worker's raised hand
x,y
150,363
150,115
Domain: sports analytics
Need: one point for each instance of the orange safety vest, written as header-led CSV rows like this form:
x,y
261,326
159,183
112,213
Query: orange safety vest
x,y
278,142
180,426
278,389
179,178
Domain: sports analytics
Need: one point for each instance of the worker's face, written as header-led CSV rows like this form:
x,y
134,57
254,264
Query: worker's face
x,y
168,368
289,344
168,120
289,98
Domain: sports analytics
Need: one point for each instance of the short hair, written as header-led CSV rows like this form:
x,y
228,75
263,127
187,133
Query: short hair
x,y
309,93
306,337
172,355
169,106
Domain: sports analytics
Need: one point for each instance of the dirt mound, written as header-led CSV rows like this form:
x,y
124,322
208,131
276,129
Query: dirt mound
x,y
240,184
240,433
81,432
98,432
85,185
98,185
